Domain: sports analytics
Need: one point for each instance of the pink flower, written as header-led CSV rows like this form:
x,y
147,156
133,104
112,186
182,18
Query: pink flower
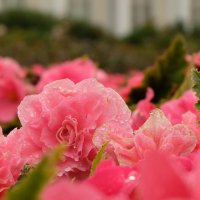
x,y
12,89
135,80
75,70
38,70
163,177
63,190
11,162
71,113
184,104
114,180
185,111
157,133
114,81
142,111
194,59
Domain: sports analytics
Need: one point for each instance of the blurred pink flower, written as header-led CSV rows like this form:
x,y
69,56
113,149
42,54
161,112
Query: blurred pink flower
x,y
12,89
64,190
163,177
143,109
114,81
72,113
114,180
194,59
38,69
135,80
182,110
11,162
75,70
183,104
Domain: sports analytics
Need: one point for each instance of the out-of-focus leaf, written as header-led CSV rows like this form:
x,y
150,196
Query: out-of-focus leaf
x,y
166,75
196,87
99,157
186,85
30,187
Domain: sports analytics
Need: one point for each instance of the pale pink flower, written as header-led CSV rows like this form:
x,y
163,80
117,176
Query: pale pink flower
x,y
75,70
72,113
157,133
11,162
143,109
12,89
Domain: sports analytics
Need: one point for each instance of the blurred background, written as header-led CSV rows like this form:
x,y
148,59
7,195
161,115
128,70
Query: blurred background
x,y
117,34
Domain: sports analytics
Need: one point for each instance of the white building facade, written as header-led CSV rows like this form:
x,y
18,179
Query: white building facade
x,y
119,17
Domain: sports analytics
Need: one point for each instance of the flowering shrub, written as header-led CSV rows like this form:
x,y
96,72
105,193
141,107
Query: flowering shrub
x,y
78,139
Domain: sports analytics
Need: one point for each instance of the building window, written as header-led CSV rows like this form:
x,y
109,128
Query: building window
x,y
86,9
112,14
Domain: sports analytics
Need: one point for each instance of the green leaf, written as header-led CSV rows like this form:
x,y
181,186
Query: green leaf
x,y
29,188
186,85
196,87
99,157
166,75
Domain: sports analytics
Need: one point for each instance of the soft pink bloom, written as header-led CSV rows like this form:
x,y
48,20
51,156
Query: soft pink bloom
x,y
38,69
135,80
114,180
75,70
157,133
182,110
163,177
72,113
11,162
175,109
194,59
12,89
114,81
143,109
64,190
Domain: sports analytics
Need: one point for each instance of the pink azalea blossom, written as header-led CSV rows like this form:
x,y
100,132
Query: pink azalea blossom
x,y
12,89
75,70
11,162
143,109
71,113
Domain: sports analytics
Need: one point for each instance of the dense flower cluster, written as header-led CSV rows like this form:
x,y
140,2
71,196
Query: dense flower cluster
x,y
150,152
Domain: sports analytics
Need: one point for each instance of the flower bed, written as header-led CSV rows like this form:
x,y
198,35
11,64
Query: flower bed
x,y
80,132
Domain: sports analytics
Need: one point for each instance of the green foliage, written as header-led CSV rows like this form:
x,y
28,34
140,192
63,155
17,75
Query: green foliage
x,y
186,84
99,157
140,35
27,19
196,87
31,186
84,30
166,75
